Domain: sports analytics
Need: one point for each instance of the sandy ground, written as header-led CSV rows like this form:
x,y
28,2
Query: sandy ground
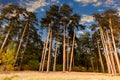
x,y
32,75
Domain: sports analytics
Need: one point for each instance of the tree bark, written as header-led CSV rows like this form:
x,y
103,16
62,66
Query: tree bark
x,y
19,46
55,55
68,56
108,54
105,52
42,56
71,58
100,57
6,37
43,63
115,50
110,51
64,46
49,54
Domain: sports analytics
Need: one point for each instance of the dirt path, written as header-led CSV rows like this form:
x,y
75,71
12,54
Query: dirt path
x,y
32,75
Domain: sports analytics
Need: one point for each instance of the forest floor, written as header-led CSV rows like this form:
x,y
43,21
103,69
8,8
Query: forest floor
x,y
34,75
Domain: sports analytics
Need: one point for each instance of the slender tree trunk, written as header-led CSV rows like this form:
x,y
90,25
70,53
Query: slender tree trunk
x,y
43,63
55,55
21,61
42,56
115,50
100,57
49,54
108,55
71,58
68,56
64,46
17,53
105,52
110,51
6,37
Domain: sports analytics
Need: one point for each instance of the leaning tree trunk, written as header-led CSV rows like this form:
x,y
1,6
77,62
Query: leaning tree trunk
x,y
17,53
49,54
40,66
55,55
6,37
115,50
108,56
46,46
100,57
64,46
71,58
110,51
105,52
21,61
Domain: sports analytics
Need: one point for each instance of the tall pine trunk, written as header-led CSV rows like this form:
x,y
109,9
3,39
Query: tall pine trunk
x,y
55,55
46,46
105,52
115,50
71,58
68,56
6,37
100,57
64,46
110,52
20,43
40,66
49,54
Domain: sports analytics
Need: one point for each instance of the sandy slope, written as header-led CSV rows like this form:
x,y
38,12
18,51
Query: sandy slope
x,y
31,75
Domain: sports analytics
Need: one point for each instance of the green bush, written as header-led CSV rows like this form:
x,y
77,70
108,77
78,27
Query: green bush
x,y
33,64
79,69
58,67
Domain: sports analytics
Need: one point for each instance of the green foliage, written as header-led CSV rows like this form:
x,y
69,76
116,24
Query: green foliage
x,y
7,58
58,67
79,68
33,64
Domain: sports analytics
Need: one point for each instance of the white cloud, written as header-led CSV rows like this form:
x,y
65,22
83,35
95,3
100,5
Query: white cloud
x,y
85,2
100,10
108,3
97,4
80,32
33,5
87,18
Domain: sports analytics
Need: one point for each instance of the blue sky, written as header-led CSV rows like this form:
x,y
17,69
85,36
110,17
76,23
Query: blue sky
x,y
85,8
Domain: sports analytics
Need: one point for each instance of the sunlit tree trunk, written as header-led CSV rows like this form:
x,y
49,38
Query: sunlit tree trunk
x,y
100,57
71,58
40,66
55,55
64,46
6,37
115,50
105,52
46,46
49,54
110,51
19,46
108,54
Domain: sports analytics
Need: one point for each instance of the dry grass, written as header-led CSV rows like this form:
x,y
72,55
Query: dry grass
x,y
31,75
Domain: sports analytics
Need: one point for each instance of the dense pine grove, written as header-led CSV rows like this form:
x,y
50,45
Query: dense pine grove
x,y
53,44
